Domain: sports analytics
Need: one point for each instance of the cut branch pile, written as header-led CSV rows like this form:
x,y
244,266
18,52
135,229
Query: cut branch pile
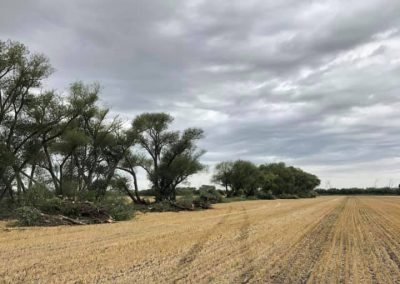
x,y
65,213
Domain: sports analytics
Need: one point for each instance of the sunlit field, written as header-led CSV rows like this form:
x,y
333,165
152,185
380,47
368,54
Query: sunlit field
x,y
324,240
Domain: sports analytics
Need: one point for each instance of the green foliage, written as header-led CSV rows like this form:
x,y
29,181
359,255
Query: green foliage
x,y
121,212
19,132
287,196
183,191
169,157
282,180
265,195
223,174
359,191
59,206
36,195
69,143
117,206
113,204
185,202
244,178
308,194
65,155
147,192
209,195
234,199
239,177
201,203
52,205
28,216
162,206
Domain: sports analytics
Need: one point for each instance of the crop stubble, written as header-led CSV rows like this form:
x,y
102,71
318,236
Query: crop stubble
x,y
322,240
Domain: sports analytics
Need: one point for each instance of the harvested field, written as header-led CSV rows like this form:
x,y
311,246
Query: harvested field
x,y
322,240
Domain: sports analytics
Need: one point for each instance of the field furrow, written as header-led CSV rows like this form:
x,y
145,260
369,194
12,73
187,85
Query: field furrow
x,y
323,240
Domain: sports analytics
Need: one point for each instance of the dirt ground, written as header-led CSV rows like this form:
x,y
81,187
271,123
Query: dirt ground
x,y
322,240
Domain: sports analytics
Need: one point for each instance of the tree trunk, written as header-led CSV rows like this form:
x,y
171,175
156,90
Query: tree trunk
x,y
3,193
31,176
139,200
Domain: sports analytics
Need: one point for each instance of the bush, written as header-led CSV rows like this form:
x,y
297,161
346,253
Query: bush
x,y
265,195
88,196
28,216
122,212
51,206
309,194
184,191
234,199
112,204
117,206
185,203
59,206
288,196
210,195
201,203
36,195
222,192
147,192
163,206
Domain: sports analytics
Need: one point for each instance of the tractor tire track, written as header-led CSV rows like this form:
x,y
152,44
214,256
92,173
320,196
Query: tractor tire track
x,y
297,265
184,262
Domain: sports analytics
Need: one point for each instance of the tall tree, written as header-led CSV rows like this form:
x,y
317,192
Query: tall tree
x,y
242,177
20,73
86,155
223,175
171,156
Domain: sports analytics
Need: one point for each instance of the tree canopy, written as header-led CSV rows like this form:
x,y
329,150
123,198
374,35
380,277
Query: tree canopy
x,y
243,177
70,145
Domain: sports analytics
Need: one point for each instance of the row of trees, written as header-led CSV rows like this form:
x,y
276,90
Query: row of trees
x,y
243,177
359,191
70,145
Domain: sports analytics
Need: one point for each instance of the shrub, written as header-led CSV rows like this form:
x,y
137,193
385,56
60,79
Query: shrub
x,y
88,195
69,208
265,195
163,206
114,205
309,194
288,196
185,203
234,199
36,195
117,206
51,206
201,203
122,212
147,192
222,192
184,191
251,197
28,216
210,195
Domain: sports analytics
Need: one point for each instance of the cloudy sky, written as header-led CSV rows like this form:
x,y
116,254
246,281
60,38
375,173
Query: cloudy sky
x,y
315,84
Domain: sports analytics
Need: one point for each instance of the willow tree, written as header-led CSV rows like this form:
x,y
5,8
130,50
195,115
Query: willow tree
x,y
169,157
86,155
20,73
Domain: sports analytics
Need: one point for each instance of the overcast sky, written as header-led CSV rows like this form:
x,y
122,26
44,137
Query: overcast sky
x,y
315,84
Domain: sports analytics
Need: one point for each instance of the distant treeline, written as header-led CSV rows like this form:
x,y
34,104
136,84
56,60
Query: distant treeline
x,y
359,191
266,181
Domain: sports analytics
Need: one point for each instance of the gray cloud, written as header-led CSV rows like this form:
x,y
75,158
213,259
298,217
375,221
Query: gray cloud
x,y
312,83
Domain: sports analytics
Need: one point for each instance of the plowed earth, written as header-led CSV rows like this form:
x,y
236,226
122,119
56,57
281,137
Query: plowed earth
x,y
322,240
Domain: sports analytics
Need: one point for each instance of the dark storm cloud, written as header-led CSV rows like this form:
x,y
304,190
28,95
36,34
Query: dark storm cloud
x,y
313,83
